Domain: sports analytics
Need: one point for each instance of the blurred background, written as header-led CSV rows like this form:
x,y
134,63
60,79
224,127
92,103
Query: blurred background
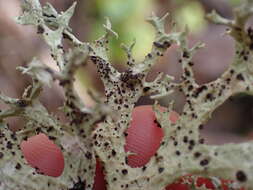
x,y
231,122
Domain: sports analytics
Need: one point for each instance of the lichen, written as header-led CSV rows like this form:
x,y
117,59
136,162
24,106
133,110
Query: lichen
x,y
182,151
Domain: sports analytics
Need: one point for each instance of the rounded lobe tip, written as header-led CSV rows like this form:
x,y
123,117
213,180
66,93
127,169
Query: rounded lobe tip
x,y
43,155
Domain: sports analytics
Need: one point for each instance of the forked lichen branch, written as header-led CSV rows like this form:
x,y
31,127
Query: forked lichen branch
x,y
182,150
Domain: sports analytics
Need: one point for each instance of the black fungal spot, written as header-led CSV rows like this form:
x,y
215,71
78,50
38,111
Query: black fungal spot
x,y
114,152
88,155
190,87
163,45
204,162
190,147
1,135
13,136
145,89
52,138
158,45
38,130
160,170
80,185
50,129
191,63
166,44
240,77
40,29
18,166
185,139
209,96
9,145
197,154
192,142
187,73
157,123
186,55
59,47
149,55
201,127
201,141
25,138
130,78
124,171
199,90
64,82
22,103
241,176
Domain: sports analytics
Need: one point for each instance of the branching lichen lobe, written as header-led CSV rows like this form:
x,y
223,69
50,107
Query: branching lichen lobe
x,y
182,151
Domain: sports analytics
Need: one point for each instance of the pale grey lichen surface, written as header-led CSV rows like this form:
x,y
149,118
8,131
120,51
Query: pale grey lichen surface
x,y
182,150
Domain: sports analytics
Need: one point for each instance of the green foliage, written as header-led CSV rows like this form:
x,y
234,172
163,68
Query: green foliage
x,y
191,14
127,18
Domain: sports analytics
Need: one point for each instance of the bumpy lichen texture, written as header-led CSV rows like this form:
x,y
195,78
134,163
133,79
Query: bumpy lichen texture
x,y
181,152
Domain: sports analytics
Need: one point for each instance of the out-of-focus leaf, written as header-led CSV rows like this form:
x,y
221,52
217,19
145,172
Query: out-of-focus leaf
x,y
191,14
235,2
128,18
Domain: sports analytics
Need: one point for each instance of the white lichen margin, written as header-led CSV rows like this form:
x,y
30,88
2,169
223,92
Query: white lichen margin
x,y
182,151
